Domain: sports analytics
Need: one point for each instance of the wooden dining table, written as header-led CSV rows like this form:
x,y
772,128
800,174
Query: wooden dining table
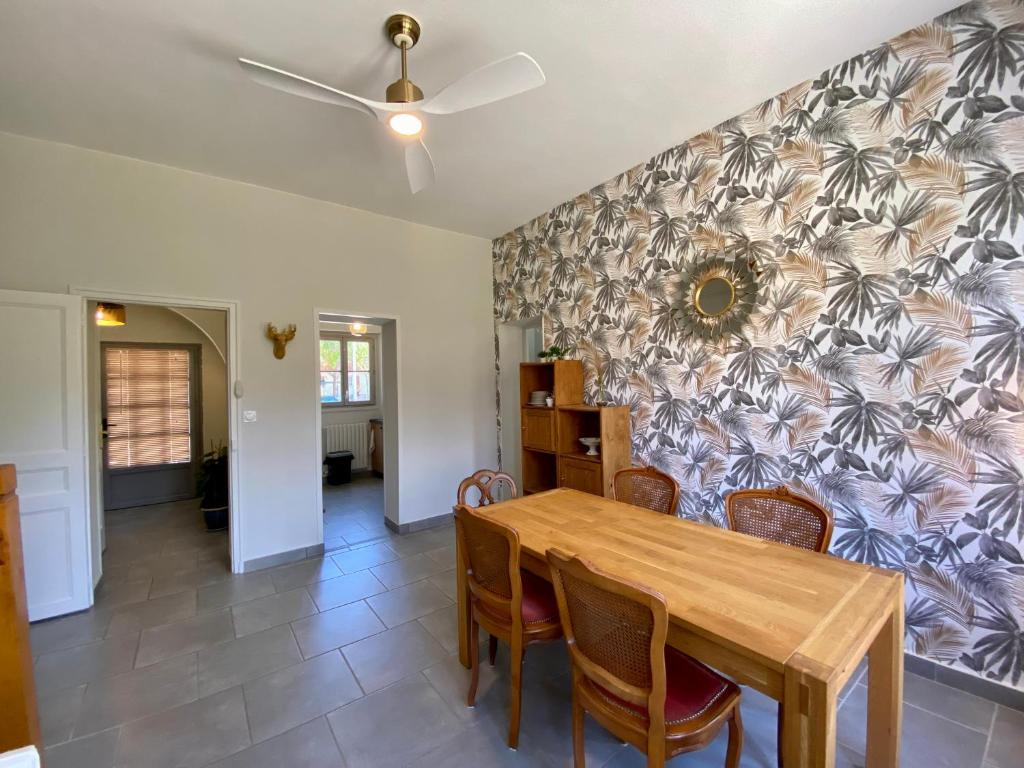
x,y
790,623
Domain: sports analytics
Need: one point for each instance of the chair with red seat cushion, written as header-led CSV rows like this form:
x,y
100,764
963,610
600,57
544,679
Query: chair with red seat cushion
x,y
514,606
659,700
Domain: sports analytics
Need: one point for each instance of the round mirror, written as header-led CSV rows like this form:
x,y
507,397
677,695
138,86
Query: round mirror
x,y
714,296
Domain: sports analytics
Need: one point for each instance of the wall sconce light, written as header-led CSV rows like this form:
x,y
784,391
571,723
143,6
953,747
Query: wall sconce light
x,y
357,329
108,313
280,338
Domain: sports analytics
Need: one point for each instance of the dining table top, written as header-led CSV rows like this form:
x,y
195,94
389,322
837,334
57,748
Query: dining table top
x,y
772,602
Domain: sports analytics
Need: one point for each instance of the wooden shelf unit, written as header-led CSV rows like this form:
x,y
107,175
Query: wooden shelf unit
x,y
552,455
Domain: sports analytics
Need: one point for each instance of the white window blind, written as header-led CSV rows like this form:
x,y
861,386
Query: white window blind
x,y
148,406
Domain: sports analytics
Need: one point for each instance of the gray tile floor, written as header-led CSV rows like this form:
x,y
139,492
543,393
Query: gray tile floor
x,y
348,660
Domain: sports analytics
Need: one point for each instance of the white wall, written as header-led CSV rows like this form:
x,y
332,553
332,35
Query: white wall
x,y
74,217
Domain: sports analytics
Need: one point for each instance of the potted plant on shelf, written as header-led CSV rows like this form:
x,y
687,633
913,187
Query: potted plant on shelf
x,y
554,352
213,486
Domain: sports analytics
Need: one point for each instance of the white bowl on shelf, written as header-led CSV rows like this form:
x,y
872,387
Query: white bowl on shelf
x,y
591,443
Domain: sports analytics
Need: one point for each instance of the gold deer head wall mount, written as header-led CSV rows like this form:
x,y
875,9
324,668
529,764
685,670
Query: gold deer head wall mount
x,y
280,338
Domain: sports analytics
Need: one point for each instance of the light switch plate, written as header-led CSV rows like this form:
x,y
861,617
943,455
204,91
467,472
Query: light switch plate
x,y
248,416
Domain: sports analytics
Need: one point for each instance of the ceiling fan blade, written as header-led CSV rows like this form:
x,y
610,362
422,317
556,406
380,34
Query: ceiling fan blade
x,y
493,82
301,86
419,166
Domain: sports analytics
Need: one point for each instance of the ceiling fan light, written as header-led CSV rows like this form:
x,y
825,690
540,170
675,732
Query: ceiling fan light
x,y
405,124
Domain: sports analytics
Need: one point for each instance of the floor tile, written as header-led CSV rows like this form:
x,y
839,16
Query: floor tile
x,y
308,746
201,575
344,589
443,556
949,702
307,572
393,726
1006,748
929,741
136,694
478,748
444,626
230,664
407,603
117,593
237,589
364,557
58,712
409,544
446,582
81,664
291,696
160,566
98,750
152,613
407,570
451,680
188,736
332,629
386,658
270,611
68,631
183,637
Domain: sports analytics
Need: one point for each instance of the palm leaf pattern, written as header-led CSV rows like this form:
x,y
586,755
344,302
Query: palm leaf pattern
x,y
882,369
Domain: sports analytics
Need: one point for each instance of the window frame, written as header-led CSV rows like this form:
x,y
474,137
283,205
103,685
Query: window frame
x,y
344,338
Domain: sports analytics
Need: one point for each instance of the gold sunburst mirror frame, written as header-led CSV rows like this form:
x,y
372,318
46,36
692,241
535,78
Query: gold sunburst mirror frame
x,y
716,297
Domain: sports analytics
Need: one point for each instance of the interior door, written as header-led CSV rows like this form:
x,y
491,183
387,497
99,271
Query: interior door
x,y
152,441
42,432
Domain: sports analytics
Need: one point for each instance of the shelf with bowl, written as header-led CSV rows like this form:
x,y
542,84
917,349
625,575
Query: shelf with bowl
x,y
552,455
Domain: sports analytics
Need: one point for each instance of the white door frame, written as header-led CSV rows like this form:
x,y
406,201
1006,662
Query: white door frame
x,y
389,502
233,364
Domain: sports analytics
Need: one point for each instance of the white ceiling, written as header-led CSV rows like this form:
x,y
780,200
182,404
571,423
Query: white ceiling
x,y
157,80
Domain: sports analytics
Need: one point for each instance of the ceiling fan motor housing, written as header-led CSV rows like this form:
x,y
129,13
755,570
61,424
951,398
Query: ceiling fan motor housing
x,y
404,32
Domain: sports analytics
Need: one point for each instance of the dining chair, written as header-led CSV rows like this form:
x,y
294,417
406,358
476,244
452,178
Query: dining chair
x,y
487,483
645,693
778,514
482,488
646,487
514,606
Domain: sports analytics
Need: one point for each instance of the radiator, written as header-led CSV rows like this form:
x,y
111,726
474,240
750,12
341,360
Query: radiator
x,y
349,437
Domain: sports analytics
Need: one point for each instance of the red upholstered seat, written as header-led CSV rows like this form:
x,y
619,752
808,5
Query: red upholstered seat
x,y
539,603
691,690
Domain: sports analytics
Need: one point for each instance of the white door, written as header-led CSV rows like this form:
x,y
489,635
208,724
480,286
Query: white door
x,y
42,402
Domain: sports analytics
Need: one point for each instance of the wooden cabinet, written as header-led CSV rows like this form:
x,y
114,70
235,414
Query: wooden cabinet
x,y
539,428
552,455
19,724
580,474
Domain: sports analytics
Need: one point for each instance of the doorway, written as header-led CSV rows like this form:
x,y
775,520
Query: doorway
x,y
160,421
518,342
356,407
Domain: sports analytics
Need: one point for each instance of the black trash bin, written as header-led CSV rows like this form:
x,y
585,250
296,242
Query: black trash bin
x,y
339,467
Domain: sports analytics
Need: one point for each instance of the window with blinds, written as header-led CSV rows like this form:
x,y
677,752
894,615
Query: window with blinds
x,y
148,393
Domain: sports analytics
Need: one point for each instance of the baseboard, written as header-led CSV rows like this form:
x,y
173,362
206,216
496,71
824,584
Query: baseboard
x,y
964,681
419,525
280,558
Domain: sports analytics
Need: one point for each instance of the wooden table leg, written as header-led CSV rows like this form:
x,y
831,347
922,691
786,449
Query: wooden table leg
x,y
885,690
809,727
462,599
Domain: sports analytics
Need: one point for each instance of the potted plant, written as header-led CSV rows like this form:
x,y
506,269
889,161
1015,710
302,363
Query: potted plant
x,y
213,486
554,352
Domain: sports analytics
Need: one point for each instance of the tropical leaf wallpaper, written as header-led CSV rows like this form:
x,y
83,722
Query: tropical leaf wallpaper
x,y
881,373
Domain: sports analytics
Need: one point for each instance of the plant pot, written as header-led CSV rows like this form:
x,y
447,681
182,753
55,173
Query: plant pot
x,y
216,517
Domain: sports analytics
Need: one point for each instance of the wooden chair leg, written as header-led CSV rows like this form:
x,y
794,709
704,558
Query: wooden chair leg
x,y
516,670
492,649
474,659
732,755
778,736
579,756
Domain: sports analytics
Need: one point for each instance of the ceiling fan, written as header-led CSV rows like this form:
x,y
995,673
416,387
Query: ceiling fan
x,y
404,106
